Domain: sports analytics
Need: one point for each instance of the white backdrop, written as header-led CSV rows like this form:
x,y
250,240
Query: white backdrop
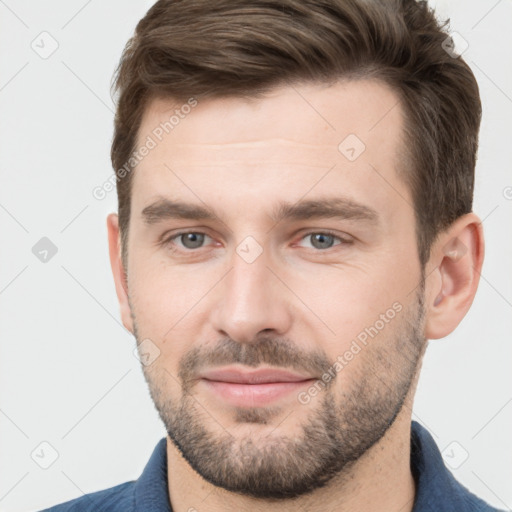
x,y
68,376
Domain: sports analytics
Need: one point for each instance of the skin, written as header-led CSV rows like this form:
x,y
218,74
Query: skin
x,y
240,158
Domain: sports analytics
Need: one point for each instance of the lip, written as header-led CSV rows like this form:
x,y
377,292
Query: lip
x,y
255,388
263,376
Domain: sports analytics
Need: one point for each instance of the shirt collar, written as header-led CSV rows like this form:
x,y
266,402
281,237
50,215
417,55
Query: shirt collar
x,y
151,489
436,487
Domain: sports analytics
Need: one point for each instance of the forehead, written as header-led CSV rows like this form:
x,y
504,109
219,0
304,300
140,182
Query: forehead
x,y
345,137
369,108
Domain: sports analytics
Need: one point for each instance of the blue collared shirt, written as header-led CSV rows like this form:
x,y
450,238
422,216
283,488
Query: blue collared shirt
x,y
436,488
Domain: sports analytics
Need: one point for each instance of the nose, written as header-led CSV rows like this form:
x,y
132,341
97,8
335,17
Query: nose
x,y
251,301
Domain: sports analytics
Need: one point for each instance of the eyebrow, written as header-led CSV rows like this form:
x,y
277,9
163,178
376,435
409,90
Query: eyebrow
x,y
330,207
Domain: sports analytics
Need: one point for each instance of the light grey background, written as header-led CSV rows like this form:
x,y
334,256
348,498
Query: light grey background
x,y
67,370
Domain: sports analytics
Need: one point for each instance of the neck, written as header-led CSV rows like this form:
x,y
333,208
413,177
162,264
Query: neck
x,y
381,480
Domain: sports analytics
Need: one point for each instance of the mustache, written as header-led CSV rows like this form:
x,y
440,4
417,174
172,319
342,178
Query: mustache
x,y
270,351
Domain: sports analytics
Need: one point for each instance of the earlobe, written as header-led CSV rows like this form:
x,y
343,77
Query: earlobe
x,y
457,257
118,270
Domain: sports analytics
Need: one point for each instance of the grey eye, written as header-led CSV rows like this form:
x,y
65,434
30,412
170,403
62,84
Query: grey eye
x,y
322,240
192,240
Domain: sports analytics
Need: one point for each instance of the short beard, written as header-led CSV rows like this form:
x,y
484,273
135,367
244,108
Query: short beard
x,y
335,435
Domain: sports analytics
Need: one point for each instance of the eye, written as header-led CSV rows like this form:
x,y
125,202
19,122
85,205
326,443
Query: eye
x,y
319,240
189,240
323,240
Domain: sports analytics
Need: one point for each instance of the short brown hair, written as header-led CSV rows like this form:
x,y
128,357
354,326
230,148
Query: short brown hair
x,y
244,48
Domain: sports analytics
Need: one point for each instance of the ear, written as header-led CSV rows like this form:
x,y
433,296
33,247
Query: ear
x,y
118,270
457,257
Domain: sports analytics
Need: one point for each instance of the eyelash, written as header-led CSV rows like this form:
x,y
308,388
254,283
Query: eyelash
x,y
168,241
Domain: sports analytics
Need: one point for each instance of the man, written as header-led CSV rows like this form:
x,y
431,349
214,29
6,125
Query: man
x,y
295,184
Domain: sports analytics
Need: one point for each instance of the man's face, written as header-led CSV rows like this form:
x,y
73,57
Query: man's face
x,y
276,279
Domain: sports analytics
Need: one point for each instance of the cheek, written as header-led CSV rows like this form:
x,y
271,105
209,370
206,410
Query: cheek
x,y
166,302
353,303
160,314
156,298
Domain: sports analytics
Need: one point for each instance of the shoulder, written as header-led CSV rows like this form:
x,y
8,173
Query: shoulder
x,y
472,502
148,492
436,486
117,498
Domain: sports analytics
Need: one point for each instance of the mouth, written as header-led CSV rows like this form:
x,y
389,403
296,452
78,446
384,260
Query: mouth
x,y
253,388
